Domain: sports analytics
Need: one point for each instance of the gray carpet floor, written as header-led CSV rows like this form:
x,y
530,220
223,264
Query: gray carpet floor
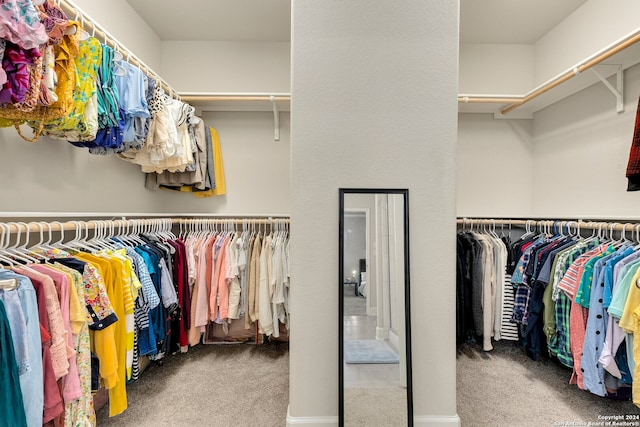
x,y
211,385
244,385
506,388
354,305
362,406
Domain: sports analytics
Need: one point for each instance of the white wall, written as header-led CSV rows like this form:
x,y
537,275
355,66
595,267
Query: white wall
x,y
394,72
54,176
227,66
494,167
124,23
592,27
367,203
495,69
581,149
355,239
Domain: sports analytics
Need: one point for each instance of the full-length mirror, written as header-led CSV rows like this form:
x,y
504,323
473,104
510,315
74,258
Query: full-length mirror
x,y
375,339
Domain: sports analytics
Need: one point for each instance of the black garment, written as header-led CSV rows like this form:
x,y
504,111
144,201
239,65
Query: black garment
x,y
470,316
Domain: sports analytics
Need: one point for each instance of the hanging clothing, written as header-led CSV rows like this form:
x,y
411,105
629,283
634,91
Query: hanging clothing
x,y
633,166
577,300
20,24
11,405
482,293
98,310
31,377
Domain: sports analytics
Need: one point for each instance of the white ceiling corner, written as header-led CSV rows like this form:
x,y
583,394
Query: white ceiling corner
x,y
511,21
481,21
217,20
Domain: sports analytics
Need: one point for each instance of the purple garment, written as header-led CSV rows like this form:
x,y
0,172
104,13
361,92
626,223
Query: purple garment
x,y
16,64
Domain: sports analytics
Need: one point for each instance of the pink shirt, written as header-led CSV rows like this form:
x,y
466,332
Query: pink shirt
x,y
71,389
54,361
579,315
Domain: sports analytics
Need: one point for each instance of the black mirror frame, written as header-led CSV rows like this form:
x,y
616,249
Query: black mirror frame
x,y
407,314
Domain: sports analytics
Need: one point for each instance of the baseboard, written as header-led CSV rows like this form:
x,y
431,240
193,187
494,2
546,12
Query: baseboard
x,y
418,421
382,333
394,340
436,421
315,421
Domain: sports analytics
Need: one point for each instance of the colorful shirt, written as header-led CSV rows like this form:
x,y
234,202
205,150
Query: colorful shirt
x,y
560,345
565,259
76,125
583,294
100,313
17,63
20,24
80,413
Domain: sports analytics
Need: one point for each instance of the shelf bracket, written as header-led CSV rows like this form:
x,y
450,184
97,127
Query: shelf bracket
x,y
276,119
617,91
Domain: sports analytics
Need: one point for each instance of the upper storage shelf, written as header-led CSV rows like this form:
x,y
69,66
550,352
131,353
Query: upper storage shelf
x,y
238,101
605,66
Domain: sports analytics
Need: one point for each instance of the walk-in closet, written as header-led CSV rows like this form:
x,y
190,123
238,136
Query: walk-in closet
x,y
293,212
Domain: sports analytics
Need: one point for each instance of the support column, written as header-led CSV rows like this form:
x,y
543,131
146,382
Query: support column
x,y
374,104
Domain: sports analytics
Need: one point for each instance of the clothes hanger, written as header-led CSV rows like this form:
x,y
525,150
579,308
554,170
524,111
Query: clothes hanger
x,y
85,238
4,256
602,232
637,231
31,250
6,284
136,230
123,233
104,233
82,33
527,230
78,241
60,244
22,248
593,236
118,68
625,240
167,228
15,250
42,245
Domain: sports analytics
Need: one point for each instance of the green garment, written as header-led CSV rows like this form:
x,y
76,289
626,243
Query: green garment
x,y
11,404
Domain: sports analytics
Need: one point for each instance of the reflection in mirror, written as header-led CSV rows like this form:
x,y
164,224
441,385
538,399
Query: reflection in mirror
x,y
375,356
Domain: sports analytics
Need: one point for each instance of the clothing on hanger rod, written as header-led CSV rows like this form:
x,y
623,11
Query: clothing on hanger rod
x,y
107,38
573,298
129,290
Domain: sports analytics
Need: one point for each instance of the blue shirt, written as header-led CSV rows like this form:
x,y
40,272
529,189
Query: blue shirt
x,y
594,372
31,382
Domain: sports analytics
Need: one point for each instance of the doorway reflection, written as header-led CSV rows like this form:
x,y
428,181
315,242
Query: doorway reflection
x,y
374,361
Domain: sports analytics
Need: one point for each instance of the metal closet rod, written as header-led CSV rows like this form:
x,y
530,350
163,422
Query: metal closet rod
x,y
75,12
213,96
516,101
15,227
588,225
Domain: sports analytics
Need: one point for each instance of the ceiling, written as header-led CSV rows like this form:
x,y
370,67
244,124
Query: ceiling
x,y
481,21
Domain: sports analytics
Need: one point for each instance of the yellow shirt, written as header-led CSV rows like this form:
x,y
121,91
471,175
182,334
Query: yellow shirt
x,y
75,123
630,322
115,382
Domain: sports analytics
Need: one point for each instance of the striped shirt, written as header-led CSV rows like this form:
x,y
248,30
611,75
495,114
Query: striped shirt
x,y
509,330
564,261
571,279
